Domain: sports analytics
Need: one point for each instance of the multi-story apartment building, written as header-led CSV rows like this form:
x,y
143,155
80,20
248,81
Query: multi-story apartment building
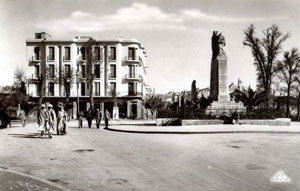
x,y
119,72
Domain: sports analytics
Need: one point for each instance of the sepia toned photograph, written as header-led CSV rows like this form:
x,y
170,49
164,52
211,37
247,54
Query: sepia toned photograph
x,y
149,95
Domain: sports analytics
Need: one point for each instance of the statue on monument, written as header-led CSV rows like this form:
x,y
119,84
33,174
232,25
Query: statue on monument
x,y
217,44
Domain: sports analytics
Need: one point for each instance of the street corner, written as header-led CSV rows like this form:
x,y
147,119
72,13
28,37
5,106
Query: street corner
x,y
11,180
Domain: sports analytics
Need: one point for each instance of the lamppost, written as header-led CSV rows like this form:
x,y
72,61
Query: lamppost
x,y
78,76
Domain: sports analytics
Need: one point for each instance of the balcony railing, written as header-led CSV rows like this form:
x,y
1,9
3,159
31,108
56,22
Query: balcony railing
x,y
81,58
50,59
112,76
133,59
133,77
34,60
66,59
133,93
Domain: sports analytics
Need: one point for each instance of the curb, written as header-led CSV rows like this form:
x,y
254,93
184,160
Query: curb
x,y
195,132
58,186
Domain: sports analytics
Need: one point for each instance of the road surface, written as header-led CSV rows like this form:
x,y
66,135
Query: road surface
x,y
98,159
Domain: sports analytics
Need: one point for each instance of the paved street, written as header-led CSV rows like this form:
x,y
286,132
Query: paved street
x,y
98,159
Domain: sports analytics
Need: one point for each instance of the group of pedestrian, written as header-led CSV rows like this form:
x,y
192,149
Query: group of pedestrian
x,y
48,121
97,115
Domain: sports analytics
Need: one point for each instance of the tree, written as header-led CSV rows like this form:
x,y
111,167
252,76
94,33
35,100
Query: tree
x,y
265,52
19,87
94,56
204,102
194,92
250,98
154,103
288,71
66,80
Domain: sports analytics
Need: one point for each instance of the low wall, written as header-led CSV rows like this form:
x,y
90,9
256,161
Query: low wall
x,y
160,121
202,122
271,122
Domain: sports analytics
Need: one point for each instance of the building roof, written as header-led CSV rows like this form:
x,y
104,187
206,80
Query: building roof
x,y
85,39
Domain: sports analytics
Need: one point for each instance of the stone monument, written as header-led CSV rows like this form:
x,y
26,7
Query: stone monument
x,y
219,92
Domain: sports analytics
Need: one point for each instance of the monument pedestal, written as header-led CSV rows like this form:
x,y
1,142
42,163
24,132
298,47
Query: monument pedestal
x,y
218,108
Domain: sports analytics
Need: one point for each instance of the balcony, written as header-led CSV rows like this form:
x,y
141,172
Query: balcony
x,y
133,59
50,59
133,77
66,59
34,60
133,93
81,59
111,77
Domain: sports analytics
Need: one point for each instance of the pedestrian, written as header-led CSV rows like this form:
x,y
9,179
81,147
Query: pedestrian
x,y
42,118
61,121
98,117
106,118
7,119
52,118
80,119
89,117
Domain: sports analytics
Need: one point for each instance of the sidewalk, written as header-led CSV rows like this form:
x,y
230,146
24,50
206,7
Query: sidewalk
x,y
11,180
207,129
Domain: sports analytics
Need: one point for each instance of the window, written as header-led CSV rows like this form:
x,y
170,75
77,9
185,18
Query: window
x,y
97,71
113,88
82,51
51,71
97,53
51,89
68,71
51,53
131,53
132,71
112,71
83,88
67,53
132,89
37,53
37,71
83,71
112,53
97,88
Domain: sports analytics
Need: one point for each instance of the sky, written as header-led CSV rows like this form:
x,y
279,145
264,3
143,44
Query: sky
x,y
176,34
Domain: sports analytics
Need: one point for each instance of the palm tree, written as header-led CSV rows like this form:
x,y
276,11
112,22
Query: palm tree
x,y
250,98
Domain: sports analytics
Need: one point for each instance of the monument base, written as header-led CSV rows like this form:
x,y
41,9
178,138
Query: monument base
x,y
218,108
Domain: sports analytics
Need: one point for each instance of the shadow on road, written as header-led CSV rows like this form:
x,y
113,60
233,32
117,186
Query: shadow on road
x,y
28,135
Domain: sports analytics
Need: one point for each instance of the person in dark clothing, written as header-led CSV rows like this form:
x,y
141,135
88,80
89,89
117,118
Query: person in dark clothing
x,y
106,118
7,119
80,119
90,117
98,118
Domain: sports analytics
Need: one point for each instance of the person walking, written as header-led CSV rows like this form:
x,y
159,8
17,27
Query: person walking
x,y
90,117
52,117
61,121
106,118
98,117
42,117
7,119
80,119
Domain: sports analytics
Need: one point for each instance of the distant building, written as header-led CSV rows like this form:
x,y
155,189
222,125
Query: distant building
x,y
203,92
121,69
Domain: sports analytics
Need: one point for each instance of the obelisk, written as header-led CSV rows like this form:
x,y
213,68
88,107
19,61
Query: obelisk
x,y
218,74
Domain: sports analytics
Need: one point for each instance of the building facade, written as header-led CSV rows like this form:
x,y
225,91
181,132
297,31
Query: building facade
x,y
63,68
